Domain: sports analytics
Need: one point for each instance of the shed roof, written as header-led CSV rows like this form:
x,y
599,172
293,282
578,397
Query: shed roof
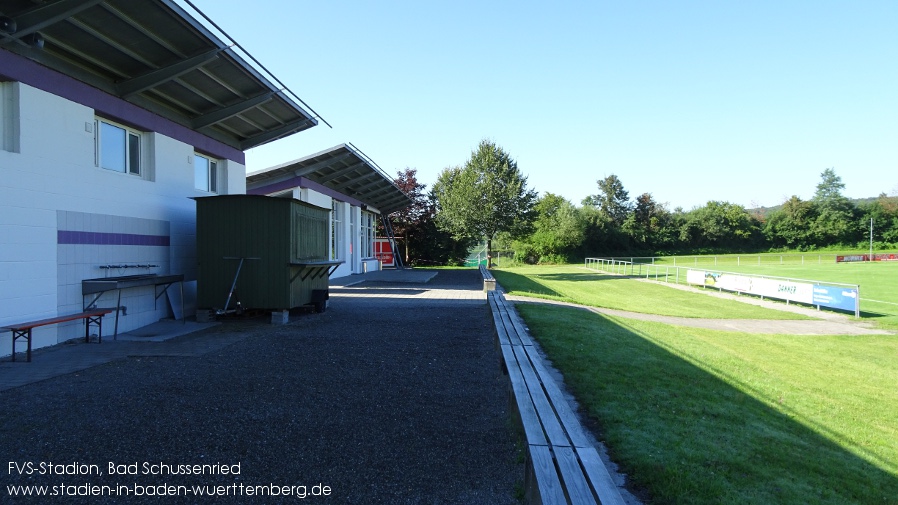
x,y
157,56
343,169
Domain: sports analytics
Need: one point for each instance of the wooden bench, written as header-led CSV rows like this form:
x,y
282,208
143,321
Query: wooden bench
x,y
23,330
489,282
563,467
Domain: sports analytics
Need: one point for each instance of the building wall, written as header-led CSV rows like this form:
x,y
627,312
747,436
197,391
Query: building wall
x,y
62,218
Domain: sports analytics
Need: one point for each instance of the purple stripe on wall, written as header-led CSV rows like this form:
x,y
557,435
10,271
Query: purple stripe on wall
x,y
97,238
21,69
302,182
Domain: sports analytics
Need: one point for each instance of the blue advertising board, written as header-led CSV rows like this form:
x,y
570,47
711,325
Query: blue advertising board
x,y
835,297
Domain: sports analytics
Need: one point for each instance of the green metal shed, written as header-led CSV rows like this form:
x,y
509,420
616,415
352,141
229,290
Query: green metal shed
x,y
261,252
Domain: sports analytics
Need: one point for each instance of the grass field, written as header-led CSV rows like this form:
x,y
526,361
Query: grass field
x,y
573,283
704,416
877,280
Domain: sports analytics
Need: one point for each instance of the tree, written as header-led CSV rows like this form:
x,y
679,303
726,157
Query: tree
x,y
720,225
408,221
557,230
638,224
486,196
884,213
649,224
407,181
604,214
422,241
835,212
414,226
613,200
434,246
791,225
830,187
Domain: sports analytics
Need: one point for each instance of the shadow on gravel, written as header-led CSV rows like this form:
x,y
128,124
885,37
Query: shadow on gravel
x,y
686,435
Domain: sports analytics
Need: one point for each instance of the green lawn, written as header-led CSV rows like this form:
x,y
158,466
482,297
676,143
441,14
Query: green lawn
x,y
701,416
574,283
708,417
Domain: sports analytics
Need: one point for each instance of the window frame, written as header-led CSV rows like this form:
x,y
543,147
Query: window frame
x,y
213,175
9,116
132,138
366,233
336,241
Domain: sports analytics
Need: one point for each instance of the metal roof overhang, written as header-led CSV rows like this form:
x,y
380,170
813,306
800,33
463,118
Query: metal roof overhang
x,y
343,169
155,55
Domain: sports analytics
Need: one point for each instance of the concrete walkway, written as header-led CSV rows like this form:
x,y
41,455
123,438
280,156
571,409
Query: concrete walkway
x,y
75,356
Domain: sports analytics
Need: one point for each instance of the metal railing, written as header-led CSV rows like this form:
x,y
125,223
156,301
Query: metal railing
x,y
671,273
732,259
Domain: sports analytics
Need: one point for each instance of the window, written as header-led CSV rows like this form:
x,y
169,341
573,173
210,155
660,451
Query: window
x,y
336,230
9,117
118,148
205,173
367,234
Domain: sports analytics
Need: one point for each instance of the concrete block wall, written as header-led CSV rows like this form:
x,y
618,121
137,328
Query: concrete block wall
x,y
88,245
50,184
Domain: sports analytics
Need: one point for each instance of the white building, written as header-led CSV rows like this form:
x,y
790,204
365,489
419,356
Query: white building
x,y
113,114
346,181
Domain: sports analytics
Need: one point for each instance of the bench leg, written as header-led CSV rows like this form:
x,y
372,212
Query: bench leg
x,y
16,335
98,320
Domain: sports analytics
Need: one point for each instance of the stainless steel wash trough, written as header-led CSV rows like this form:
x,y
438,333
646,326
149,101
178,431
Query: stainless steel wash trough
x,y
103,285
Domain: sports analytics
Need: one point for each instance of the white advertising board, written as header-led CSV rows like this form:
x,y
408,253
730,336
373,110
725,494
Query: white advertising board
x,y
785,290
773,288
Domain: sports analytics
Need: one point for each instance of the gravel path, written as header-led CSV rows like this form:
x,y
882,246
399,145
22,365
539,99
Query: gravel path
x,y
382,399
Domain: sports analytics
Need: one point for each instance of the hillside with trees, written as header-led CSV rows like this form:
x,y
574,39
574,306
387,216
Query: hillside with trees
x,y
487,199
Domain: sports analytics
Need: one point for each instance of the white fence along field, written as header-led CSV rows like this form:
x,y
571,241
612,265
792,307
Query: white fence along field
x,y
831,295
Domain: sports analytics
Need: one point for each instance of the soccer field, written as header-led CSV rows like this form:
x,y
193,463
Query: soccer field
x,y
700,415
877,280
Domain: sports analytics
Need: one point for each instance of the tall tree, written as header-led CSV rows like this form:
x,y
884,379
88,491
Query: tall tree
x,y
647,224
720,225
884,213
791,225
835,213
486,196
410,223
434,246
830,187
557,230
612,200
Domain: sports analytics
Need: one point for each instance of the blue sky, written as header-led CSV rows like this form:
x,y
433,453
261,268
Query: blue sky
x,y
746,102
